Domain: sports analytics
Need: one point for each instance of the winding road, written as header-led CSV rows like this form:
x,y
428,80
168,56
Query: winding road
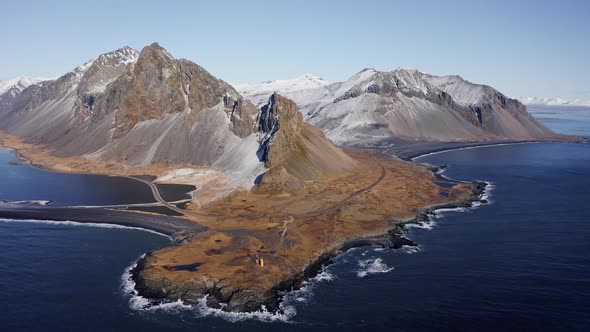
x,y
158,196
351,196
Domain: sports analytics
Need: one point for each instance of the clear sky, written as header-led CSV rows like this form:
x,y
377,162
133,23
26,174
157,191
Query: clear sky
x,y
523,48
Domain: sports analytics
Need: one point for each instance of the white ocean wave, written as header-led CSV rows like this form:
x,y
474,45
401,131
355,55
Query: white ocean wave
x,y
84,224
284,314
410,249
426,224
372,266
324,275
440,213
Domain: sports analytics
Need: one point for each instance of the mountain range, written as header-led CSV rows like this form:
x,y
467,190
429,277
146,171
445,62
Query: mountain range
x,y
138,109
375,107
147,108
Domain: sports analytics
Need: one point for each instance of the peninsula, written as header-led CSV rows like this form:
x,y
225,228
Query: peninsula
x,y
275,198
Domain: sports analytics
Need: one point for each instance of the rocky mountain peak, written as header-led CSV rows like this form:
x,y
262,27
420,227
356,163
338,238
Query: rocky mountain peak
x,y
294,151
123,55
135,107
103,70
279,115
158,84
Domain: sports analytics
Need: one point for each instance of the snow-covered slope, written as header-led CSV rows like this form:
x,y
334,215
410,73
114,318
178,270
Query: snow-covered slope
x,y
554,101
374,106
10,89
297,88
18,84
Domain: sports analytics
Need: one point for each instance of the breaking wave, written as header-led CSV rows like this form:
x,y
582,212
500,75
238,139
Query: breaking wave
x,y
372,266
426,224
410,249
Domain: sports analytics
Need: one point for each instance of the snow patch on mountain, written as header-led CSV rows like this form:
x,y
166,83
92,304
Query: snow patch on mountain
x,y
104,69
296,88
374,106
463,92
18,84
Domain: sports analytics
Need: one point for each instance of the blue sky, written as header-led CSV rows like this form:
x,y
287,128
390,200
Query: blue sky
x,y
523,48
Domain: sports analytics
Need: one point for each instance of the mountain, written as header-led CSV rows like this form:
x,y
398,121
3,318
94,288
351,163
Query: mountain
x,y
292,150
297,88
9,89
554,101
18,84
131,108
405,104
134,108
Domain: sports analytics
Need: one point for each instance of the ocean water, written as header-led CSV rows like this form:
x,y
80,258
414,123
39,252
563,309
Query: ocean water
x,y
520,263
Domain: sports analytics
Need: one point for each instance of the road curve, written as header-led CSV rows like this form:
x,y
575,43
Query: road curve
x,y
158,196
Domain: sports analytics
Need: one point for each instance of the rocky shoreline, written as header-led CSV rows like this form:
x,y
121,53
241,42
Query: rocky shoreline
x,y
229,298
244,295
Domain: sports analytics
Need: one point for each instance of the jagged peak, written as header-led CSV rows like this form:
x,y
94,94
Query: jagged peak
x,y
155,45
156,49
368,69
122,55
293,150
363,75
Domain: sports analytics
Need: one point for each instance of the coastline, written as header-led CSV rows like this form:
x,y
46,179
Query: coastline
x,y
410,152
270,300
392,238
170,226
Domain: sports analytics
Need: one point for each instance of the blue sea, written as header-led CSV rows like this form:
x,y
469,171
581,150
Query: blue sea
x,y
520,263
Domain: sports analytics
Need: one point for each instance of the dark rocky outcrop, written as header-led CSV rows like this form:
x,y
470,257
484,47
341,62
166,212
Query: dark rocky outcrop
x,y
294,151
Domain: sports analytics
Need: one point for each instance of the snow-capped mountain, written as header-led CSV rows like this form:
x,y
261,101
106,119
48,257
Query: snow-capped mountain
x,y
140,108
9,89
298,87
554,101
374,106
18,84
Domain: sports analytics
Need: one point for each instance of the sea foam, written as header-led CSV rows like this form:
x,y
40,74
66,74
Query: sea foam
x,y
372,266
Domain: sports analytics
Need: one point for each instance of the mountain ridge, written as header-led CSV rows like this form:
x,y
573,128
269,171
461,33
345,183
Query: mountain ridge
x,y
138,109
105,106
374,107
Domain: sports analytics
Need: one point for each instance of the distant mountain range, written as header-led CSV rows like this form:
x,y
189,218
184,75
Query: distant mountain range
x,y
554,101
374,106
